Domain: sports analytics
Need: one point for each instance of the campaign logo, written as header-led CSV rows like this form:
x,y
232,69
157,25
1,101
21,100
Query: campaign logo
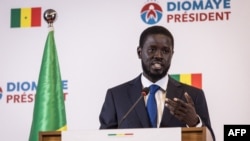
x,y
1,93
186,11
197,11
24,91
151,13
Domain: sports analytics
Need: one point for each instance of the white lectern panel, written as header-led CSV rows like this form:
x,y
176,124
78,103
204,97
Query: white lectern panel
x,y
144,134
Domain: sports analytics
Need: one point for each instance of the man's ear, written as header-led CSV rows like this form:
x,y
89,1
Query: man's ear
x,y
139,49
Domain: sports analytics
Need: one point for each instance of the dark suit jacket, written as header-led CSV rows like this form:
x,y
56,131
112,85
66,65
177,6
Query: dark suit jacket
x,y
120,99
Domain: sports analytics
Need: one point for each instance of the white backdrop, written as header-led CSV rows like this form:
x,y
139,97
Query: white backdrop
x,y
96,43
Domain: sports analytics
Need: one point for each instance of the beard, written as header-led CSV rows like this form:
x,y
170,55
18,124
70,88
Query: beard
x,y
154,76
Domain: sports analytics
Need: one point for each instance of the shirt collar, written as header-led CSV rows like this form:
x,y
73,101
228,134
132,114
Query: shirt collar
x,y
162,82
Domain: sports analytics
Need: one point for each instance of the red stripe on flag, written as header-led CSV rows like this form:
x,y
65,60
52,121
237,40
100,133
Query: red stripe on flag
x,y
36,16
196,80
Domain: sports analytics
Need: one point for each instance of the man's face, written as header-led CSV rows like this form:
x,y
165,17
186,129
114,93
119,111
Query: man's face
x,y
156,55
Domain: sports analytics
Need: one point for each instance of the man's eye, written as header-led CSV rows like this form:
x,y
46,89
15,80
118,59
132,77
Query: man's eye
x,y
166,50
151,50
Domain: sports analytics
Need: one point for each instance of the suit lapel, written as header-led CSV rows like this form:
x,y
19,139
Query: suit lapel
x,y
174,89
135,93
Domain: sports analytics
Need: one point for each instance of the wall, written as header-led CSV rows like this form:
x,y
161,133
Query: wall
x,y
96,43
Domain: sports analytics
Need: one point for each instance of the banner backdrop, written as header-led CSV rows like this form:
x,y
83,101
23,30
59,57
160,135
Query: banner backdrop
x,y
96,43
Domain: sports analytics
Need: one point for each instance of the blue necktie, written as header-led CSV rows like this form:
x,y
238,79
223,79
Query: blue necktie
x,y
152,106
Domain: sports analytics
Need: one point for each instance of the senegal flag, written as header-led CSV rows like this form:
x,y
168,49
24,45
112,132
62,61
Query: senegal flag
x,y
192,79
25,17
49,108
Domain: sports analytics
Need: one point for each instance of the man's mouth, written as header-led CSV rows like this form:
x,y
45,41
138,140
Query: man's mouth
x,y
156,66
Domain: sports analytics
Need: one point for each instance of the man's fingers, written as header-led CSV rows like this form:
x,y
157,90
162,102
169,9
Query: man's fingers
x,y
184,111
176,106
170,102
188,98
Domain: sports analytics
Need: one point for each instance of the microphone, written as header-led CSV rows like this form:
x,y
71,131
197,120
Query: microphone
x,y
144,92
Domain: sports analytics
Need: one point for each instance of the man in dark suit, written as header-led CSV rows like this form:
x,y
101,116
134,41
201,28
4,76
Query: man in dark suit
x,y
178,105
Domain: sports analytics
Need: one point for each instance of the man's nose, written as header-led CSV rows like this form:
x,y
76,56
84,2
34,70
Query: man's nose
x,y
158,54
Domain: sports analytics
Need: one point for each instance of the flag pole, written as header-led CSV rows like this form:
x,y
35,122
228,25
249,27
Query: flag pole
x,y
49,109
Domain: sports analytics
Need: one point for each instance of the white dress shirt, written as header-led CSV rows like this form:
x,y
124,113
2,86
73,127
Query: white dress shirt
x,y
160,95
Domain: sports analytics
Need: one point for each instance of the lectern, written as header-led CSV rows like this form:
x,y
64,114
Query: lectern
x,y
187,134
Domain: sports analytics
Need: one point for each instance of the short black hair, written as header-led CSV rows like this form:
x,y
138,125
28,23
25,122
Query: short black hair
x,y
155,30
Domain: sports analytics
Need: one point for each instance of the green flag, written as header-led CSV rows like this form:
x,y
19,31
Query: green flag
x,y
49,108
